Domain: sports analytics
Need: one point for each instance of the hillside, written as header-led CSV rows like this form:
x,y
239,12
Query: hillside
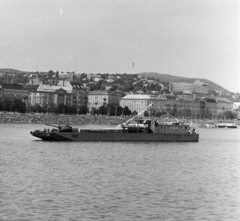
x,y
161,77
10,70
172,78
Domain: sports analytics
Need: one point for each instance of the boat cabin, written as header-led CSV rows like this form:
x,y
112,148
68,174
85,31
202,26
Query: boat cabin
x,y
173,129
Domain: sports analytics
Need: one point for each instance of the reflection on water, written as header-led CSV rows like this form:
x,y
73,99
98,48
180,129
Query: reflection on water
x,y
119,181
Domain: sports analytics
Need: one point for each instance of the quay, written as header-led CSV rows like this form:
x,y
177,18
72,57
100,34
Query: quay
x,y
45,118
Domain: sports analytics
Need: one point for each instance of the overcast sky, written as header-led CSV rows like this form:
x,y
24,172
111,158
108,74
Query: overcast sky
x,y
189,38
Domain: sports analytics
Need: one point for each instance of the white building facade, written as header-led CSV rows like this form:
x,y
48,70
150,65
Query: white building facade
x,y
135,102
197,87
139,103
47,95
97,99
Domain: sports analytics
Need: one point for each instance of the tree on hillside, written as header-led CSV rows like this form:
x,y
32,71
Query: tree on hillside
x,y
83,109
83,75
71,110
104,76
52,108
208,113
212,92
50,74
119,81
113,88
92,87
119,110
7,105
114,110
36,108
19,106
102,110
126,111
134,112
103,87
62,109
128,87
1,106
146,114
111,109
230,115
99,84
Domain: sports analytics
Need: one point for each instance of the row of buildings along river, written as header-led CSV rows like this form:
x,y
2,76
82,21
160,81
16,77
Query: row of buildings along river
x,y
184,100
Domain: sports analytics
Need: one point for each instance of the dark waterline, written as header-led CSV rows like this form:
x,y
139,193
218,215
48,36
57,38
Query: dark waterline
x,y
119,181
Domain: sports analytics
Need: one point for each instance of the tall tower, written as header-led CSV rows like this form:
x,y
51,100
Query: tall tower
x,y
36,65
133,67
76,64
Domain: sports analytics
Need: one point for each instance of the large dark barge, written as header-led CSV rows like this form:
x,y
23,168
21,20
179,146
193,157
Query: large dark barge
x,y
136,130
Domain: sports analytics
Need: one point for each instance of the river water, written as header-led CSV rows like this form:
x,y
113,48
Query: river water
x,y
119,181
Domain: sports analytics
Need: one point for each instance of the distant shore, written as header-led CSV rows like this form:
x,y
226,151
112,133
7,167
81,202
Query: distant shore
x,y
61,118
7,117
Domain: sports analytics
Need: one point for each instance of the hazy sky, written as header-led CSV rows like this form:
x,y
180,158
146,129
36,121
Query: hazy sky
x,y
189,38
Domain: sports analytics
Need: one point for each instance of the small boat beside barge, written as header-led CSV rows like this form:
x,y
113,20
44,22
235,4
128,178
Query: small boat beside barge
x,y
135,130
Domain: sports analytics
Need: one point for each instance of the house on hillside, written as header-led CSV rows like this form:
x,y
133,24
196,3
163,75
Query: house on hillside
x,y
34,79
197,87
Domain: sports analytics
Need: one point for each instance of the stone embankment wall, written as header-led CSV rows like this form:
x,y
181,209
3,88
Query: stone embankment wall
x,y
61,119
90,119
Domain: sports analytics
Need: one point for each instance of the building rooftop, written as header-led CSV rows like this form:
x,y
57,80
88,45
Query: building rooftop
x,y
137,96
12,86
210,100
31,87
52,88
76,85
98,93
224,101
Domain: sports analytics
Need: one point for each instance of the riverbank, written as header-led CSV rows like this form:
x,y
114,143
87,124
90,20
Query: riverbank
x,y
61,119
91,119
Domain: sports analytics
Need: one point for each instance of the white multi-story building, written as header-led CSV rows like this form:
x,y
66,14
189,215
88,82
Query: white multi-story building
x,y
97,99
46,95
137,102
197,87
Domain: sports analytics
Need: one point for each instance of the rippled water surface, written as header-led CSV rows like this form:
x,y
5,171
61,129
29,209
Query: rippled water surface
x,y
119,181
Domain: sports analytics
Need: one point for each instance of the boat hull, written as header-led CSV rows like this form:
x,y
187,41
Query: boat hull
x,y
136,137
227,126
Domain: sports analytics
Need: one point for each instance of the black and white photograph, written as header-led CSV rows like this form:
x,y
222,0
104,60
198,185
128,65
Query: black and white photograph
x,y
119,110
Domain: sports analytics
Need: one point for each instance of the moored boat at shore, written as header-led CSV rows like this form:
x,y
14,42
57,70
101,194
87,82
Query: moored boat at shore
x,y
226,125
210,125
